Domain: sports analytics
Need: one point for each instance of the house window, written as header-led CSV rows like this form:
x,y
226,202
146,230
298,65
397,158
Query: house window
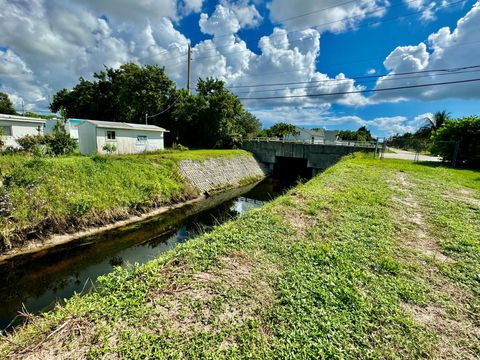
x,y
6,130
110,135
142,138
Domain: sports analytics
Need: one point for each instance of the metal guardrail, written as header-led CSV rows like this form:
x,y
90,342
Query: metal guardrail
x,y
364,144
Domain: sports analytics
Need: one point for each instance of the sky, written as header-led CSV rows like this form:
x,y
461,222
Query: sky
x,y
309,63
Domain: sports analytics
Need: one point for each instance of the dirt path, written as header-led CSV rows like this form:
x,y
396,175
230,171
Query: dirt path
x,y
455,330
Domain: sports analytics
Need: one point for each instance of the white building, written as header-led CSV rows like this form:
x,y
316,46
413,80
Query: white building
x,y
127,138
71,127
14,127
318,136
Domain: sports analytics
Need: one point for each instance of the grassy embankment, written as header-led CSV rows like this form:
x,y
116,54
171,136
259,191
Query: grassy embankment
x,y
45,196
371,259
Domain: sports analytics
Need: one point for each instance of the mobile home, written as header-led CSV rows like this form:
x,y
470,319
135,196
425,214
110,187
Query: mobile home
x,y
14,127
127,138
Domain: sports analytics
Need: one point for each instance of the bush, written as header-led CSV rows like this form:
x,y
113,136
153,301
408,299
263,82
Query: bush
x,y
30,142
109,148
57,143
466,131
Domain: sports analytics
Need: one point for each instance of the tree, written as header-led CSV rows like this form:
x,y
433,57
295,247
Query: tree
x,y
6,106
125,94
214,117
362,134
281,130
435,122
465,132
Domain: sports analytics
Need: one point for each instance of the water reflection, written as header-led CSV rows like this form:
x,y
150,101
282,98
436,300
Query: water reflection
x,y
41,279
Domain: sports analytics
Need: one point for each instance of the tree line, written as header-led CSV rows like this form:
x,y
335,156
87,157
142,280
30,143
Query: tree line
x,y
446,137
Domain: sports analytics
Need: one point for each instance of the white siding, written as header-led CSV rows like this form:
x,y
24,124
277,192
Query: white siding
x,y
126,140
87,138
20,129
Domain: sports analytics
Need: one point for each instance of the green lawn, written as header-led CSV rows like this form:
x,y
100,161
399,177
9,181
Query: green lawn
x,y
371,259
51,195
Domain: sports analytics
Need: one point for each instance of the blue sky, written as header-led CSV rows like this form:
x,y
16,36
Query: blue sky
x,y
45,47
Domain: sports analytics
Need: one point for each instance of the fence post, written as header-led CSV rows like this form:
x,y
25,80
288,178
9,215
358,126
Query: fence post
x,y
456,150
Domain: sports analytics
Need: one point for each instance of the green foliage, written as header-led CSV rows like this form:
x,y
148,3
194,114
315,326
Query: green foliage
x,y
6,106
466,131
213,118
280,130
109,148
59,142
434,122
420,140
124,94
39,116
362,134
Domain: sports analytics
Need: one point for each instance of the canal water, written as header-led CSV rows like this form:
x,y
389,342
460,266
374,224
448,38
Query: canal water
x,y
36,282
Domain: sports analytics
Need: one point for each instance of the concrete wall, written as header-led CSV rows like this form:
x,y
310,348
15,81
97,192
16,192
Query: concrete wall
x,y
20,129
127,142
217,173
319,157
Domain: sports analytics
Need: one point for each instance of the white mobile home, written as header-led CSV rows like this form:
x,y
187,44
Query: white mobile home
x,y
317,136
14,127
127,138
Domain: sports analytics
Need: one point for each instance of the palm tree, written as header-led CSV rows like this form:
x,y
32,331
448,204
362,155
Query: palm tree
x,y
436,121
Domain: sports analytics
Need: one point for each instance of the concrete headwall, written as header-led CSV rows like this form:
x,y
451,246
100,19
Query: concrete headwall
x,y
218,173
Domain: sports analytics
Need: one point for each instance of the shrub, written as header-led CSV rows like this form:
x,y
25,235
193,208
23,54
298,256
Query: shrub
x,y
30,142
59,142
109,148
466,131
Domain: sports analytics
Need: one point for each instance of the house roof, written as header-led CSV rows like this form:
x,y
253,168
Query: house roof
x,y
319,132
21,119
125,126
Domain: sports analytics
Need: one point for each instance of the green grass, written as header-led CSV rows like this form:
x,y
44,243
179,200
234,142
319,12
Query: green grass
x,y
52,195
321,272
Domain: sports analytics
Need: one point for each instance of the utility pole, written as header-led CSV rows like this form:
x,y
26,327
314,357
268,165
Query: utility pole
x,y
189,59
146,119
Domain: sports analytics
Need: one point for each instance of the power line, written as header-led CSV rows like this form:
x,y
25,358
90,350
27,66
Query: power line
x,y
361,83
452,70
361,91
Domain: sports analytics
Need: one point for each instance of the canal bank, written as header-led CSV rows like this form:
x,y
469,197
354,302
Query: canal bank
x,y
35,282
329,270
49,202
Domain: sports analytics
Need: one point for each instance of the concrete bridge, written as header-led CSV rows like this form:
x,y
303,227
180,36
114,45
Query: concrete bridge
x,y
304,159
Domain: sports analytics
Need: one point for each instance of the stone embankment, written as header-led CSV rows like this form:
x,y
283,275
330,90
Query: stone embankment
x,y
220,173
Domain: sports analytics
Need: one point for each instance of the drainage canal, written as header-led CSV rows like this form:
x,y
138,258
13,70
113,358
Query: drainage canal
x,y
36,282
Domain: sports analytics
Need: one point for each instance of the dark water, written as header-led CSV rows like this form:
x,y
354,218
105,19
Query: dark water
x,y
36,282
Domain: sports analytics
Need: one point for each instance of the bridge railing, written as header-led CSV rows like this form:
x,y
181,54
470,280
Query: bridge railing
x,y
363,144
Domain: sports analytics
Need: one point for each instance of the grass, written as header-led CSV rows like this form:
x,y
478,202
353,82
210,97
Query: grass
x,y
53,195
336,268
